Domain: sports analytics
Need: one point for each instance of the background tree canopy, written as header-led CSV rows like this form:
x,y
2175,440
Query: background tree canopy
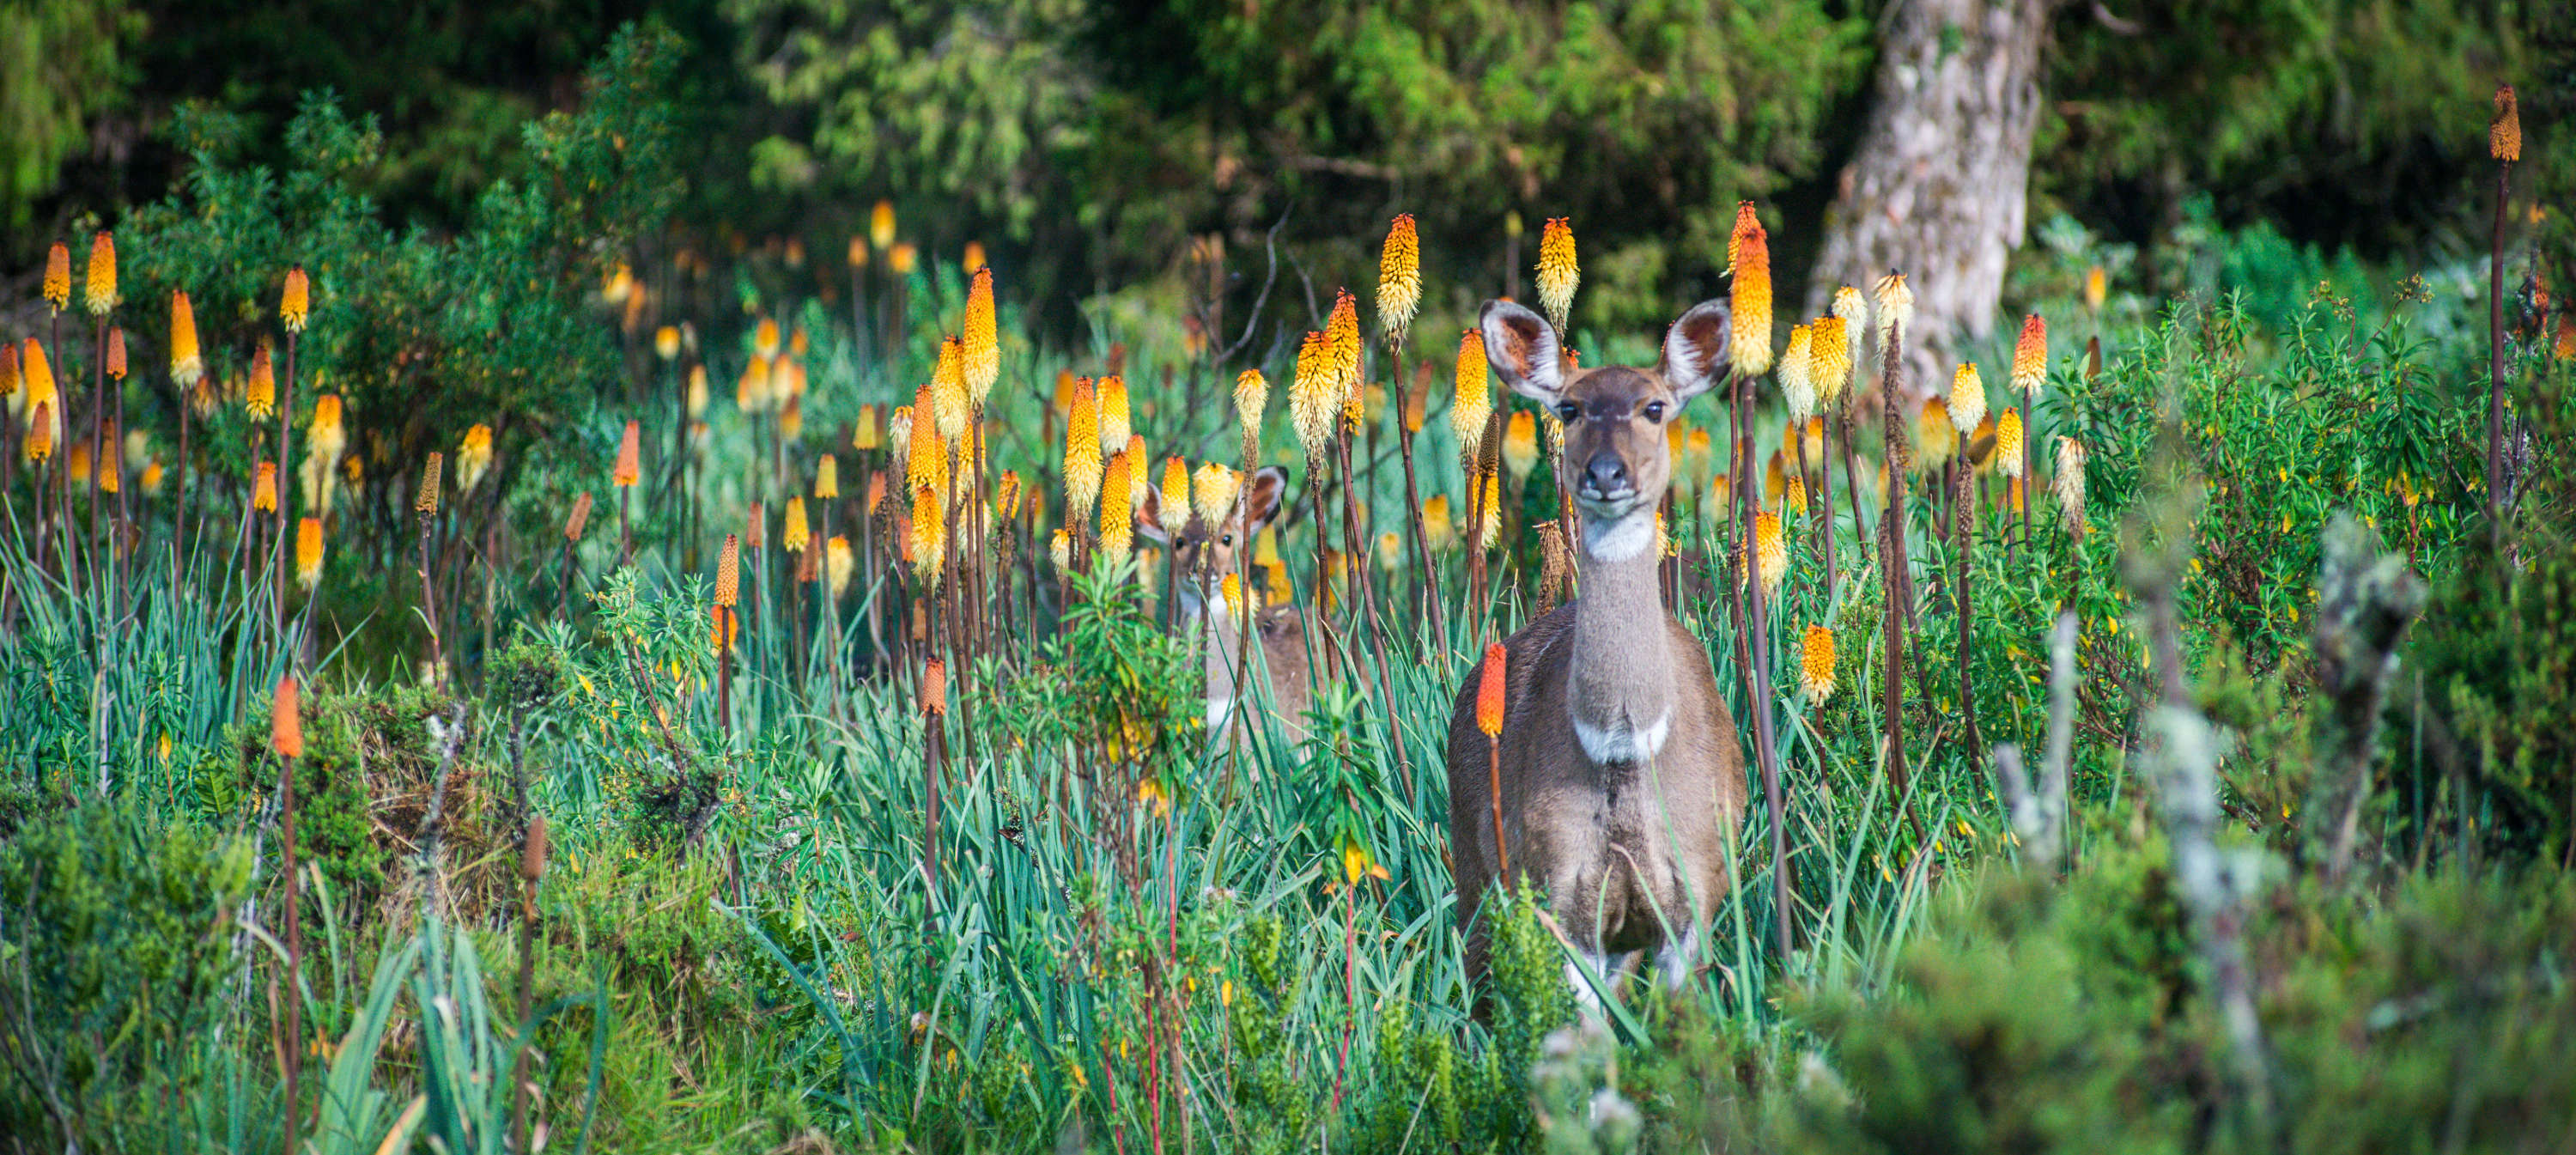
x,y
1085,141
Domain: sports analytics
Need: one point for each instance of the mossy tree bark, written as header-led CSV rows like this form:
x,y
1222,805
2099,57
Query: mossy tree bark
x,y
1937,188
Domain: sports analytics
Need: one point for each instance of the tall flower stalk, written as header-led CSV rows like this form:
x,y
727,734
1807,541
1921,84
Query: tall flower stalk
x,y
2504,143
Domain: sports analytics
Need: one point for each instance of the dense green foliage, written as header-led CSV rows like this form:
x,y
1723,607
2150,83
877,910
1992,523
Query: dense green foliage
x,y
751,934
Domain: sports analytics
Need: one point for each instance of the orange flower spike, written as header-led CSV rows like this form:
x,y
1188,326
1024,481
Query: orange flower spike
x,y
580,517
260,399
1490,689
1399,281
263,491
948,393
630,467
308,552
1558,274
983,348
2504,133
286,720
1474,399
296,302
116,353
729,572
934,688
2030,357
1749,247
100,289
58,277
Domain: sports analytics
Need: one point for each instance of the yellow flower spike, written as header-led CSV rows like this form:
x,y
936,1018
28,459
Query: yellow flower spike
x,y
1474,399
1771,549
2030,357
1213,491
1082,451
1894,307
295,302
794,530
1251,396
2008,447
1175,496
1342,339
1520,447
1390,551
1314,398
929,532
100,289
1399,281
925,457
1490,533
263,492
1117,517
837,564
1852,309
881,225
827,477
666,342
751,392
1437,529
1116,423
982,337
1796,372
474,457
1967,397
764,338
1749,252
1829,360
2096,289
948,399
1060,551
186,365
1816,664
1558,273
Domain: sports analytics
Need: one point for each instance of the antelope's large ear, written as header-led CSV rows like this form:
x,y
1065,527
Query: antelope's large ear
x,y
1522,348
1695,349
1266,497
1149,516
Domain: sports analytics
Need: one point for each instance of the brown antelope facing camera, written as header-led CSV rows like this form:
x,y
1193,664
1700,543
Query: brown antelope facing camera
x,y
1621,780
1280,672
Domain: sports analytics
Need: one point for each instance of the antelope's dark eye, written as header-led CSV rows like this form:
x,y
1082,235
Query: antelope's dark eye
x,y
1226,540
1654,411
1567,411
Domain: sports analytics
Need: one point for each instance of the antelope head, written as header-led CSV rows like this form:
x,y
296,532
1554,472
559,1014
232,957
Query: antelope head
x,y
1618,461
1205,553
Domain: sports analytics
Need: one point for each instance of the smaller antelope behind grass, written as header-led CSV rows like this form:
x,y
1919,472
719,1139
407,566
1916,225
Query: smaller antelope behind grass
x,y
1288,660
1620,779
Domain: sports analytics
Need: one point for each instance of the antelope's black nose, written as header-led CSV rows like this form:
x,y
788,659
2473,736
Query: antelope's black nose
x,y
1606,474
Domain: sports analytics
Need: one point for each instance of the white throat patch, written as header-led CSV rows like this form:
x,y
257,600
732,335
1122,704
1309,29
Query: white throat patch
x,y
1621,742
1622,539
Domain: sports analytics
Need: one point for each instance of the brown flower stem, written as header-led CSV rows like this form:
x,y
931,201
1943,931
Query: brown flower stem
x,y
625,527
98,434
1494,795
1891,523
563,588
1756,643
1421,540
294,1041
285,475
429,604
934,738
2495,361
1963,528
1825,508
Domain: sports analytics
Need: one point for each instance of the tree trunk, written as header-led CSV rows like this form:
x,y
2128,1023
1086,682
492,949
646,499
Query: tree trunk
x,y
1937,187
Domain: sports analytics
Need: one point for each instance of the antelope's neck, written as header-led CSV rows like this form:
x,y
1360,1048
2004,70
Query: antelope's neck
x,y
1620,682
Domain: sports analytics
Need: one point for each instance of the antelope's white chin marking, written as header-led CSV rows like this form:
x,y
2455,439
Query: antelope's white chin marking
x,y
1620,742
1619,540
